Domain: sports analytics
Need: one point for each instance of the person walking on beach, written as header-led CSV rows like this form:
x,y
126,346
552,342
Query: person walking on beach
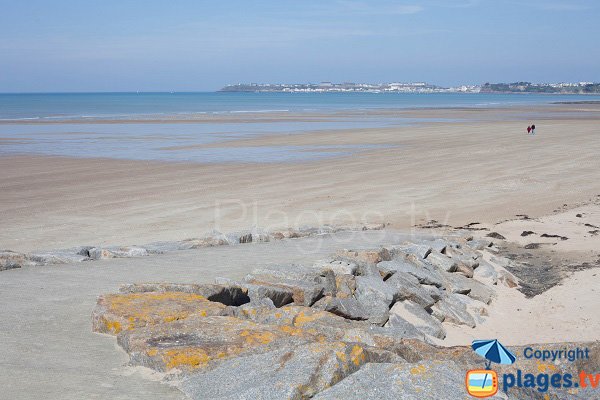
x,y
529,129
533,129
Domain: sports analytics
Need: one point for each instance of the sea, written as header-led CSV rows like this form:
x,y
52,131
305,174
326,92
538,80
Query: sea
x,y
76,122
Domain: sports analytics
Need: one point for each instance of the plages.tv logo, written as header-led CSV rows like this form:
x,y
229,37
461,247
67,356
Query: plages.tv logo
x,y
483,383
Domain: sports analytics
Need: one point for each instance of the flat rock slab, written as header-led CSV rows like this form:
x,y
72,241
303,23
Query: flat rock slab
x,y
442,261
278,295
304,292
426,380
339,267
415,267
284,374
418,317
452,309
421,250
228,295
365,256
375,297
408,288
118,312
203,342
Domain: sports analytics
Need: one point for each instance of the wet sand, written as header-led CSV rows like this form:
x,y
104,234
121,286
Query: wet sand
x,y
484,169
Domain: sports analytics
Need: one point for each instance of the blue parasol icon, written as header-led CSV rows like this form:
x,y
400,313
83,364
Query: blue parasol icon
x,y
493,351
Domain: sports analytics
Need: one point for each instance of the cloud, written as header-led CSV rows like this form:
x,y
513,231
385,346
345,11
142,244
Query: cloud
x,y
381,8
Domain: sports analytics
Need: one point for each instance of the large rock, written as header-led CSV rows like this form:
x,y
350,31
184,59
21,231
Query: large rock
x,y
119,312
438,245
308,284
248,310
486,273
451,309
339,267
303,292
278,295
481,292
365,256
456,283
345,285
375,297
228,295
203,342
421,250
298,373
315,320
408,288
418,317
415,267
349,308
476,308
465,270
58,257
425,380
10,259
442,261
98,253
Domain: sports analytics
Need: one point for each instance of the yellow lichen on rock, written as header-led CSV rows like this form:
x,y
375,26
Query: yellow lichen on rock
x,y
187,358
117,312
257,337
357,355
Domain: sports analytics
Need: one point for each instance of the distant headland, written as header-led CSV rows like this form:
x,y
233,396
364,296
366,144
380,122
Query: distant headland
x,y
417,87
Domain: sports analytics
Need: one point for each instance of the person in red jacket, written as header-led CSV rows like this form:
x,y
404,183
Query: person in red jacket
x,y
528,130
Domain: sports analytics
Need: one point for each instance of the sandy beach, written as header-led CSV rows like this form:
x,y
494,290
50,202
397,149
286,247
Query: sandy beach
x,y
479,175
481,169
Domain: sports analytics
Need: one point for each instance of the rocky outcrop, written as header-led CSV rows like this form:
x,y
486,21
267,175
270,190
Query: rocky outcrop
x,y
10,260
293,331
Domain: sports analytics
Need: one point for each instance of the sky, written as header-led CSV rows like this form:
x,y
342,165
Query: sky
x,y
197,45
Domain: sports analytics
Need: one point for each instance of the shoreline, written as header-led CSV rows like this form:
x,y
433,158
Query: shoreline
x,y
461,172
242,116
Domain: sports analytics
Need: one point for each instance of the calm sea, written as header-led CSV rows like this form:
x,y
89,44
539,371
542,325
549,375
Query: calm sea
x,y
79,137
132,105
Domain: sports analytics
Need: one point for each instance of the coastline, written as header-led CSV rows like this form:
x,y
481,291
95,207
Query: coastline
x,y
476,170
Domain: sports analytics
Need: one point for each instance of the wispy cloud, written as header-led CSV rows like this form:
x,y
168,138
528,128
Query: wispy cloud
x,y
384,7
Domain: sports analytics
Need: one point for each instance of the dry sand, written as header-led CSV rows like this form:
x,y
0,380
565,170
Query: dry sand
x,y
481,169
567,312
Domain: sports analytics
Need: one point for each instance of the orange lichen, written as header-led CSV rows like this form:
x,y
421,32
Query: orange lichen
x,y
357,355
134,310
290,330
191,358
341,356
257,337
418,370
152,352
112,326
302,318
542,367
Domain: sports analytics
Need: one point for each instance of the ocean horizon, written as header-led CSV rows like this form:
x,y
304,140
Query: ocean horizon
x,y
144,105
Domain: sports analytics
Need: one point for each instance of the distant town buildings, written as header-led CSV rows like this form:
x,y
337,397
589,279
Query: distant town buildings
x,y
416,87
413,87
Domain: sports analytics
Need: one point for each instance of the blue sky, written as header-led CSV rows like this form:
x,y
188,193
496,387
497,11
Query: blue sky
x,y
186,45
